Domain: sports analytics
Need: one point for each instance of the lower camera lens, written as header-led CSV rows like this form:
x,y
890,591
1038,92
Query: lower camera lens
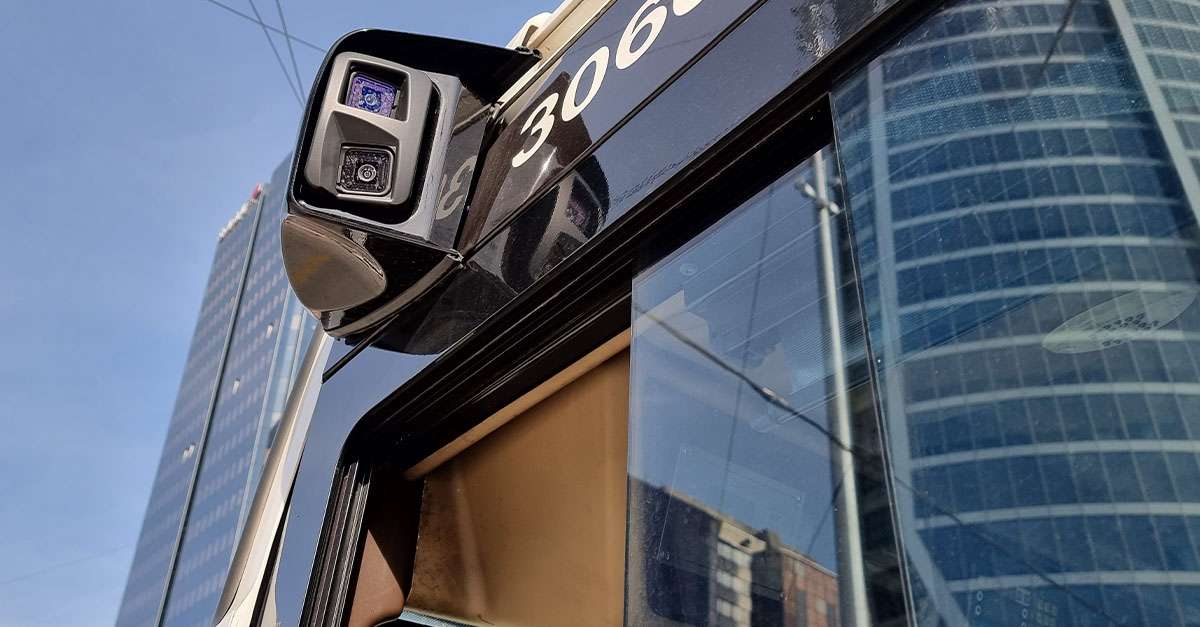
x,y
365,171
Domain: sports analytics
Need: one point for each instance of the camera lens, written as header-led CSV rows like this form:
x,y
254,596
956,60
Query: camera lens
x,y
371,94
365,171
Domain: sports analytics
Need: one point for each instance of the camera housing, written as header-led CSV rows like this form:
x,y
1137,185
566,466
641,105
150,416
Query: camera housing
x,y
392,121
378,126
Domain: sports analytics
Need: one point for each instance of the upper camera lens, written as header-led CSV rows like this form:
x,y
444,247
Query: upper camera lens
x,y
371,94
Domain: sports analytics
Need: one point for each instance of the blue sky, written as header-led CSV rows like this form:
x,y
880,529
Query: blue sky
x,y
132,130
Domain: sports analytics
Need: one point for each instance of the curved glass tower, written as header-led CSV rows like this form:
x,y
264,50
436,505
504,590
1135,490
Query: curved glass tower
x,y
1022,188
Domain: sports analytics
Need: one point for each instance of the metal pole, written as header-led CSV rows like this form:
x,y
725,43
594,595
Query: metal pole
x,y
853,590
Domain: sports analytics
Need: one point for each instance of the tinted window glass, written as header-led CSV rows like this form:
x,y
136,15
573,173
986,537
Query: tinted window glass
x,y
1024,214
754,495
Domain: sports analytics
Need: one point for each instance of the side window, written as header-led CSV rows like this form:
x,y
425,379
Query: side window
x,y
754,468
1032,305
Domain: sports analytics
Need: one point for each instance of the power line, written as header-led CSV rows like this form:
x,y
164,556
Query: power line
x,y
250,18
867,460
275,51
291,52
86,558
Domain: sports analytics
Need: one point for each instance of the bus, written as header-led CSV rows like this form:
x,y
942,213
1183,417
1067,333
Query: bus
x,y
746,312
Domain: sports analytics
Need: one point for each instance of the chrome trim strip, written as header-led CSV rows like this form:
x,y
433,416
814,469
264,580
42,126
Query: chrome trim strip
x,y
248,571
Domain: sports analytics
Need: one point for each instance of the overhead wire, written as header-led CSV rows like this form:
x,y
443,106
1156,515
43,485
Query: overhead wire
x,y
868,461
250,18
287,38
275,51
53,567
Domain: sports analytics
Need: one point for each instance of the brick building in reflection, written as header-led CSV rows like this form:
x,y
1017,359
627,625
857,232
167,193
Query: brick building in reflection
x,y
709,569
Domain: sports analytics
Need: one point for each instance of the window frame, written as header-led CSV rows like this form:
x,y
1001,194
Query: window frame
x,y
547,333
580,303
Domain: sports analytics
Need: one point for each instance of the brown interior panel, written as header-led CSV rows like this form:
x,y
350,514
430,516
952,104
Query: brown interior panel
x,y
389,539
527,526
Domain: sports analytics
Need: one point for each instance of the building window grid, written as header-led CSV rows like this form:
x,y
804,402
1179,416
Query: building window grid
x,y
1175,67
1182,99
934,66
1174,11
923,287
1057,479
959,328
1051,420
1022,184
1176,37
1049,228
1062,544
1066,104
1020,145
966,22
1005,368
942,81
1092,604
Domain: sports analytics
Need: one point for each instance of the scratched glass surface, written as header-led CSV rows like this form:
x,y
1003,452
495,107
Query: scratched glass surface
x,y
746,453
1024,201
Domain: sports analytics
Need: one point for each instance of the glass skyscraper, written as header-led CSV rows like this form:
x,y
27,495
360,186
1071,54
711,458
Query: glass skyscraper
x,y
240,367
1022,188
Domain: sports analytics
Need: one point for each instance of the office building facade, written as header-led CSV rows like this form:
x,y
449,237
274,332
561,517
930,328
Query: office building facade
x,y
240,367
1024,197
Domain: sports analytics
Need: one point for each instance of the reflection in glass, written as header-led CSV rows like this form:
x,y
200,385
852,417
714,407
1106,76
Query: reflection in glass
x,y
1022,188
745,500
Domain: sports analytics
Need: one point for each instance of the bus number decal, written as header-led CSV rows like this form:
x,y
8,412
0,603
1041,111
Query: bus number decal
x,y
570,110
454,196
544,116
654,21
651,17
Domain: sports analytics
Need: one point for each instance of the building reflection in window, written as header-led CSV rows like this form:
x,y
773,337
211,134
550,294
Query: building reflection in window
x,y
745,501
1022,188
